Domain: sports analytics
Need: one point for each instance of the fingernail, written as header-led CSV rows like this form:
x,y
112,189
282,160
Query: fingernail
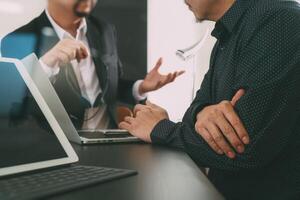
x,y
220,152
240,149
245,140
230,154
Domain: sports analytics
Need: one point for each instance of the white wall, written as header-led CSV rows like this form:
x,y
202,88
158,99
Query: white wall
x,y
172,26
15,13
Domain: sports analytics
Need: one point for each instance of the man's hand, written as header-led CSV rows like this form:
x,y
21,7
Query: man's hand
x,y
219,125
65,51
154,80
146,118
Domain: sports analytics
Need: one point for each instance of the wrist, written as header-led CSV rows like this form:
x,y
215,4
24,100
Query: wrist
x,y
161,131
142,89
49,60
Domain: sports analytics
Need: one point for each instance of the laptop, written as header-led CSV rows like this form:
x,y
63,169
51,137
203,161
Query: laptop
x,y
37,160
28,42
81,136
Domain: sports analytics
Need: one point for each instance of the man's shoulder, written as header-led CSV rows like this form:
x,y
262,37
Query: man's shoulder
x,y
270,8
34,26
272,13
31,31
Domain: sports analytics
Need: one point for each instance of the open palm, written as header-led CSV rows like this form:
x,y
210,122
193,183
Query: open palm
x,y
154,80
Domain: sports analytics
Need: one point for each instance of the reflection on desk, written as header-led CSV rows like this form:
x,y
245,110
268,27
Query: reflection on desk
x,y
164,174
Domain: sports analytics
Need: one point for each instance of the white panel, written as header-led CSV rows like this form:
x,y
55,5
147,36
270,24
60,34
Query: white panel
x,y
172,26
15,13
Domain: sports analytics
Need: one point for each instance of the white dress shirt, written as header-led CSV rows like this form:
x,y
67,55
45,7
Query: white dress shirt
x,y
85,71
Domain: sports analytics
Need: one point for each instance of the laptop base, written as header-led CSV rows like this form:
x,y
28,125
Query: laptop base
x,y
104,137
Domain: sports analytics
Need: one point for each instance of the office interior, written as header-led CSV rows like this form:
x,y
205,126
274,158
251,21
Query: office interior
x,y
146,30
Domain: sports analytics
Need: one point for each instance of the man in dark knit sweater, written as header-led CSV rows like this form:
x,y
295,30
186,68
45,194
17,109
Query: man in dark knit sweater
x,y
244,123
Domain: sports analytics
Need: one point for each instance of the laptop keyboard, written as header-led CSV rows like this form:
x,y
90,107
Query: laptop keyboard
x,y
55,181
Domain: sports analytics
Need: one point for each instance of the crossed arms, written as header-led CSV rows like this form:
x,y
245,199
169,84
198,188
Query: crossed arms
x,y
261,118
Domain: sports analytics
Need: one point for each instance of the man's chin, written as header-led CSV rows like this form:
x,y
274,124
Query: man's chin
x,y
83,8
198,20
82,14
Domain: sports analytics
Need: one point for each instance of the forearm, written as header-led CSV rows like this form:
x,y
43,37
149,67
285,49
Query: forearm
x,y
124,93
271,123
182,136
186,139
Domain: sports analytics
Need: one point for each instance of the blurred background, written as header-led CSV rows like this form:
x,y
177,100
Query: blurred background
x,y
130,19
147,30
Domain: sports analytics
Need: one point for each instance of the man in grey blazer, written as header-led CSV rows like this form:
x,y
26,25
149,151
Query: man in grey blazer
x,y
83,64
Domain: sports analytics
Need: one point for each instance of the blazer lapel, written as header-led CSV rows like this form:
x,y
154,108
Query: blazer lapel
x,y
71,78
95,40
48,40
47,36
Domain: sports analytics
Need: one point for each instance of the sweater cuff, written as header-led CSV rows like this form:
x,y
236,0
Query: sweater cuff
x,y
161,131
196,109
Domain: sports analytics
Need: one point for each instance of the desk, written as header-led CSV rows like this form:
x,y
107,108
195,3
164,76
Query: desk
x,y
164,174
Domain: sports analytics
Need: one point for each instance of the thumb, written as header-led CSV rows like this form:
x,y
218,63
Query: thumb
x,y
237,96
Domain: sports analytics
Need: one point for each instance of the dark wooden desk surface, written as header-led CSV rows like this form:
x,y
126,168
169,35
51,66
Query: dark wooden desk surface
x,y
163,174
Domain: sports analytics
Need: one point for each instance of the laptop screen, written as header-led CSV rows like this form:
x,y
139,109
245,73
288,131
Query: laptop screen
x,y
25,134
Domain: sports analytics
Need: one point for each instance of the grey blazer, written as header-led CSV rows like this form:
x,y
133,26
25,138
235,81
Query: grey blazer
x,y
103,46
